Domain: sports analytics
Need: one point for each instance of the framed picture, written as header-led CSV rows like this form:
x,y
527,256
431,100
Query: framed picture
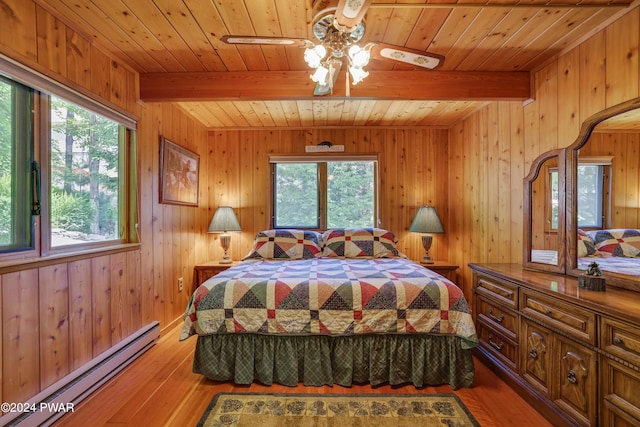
x,y
179,174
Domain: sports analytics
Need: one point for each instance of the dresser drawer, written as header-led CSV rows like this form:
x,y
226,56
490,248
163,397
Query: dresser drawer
x,y
574,321
498,290
496,315
620,339
497,344
620,398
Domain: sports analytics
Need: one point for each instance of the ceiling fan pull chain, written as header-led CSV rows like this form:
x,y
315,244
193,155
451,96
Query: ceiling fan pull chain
x,y
347,89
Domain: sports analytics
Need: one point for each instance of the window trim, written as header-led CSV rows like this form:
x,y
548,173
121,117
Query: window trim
x,y
322,188
128,214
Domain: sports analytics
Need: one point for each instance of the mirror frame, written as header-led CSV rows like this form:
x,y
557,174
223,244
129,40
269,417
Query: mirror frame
x,y
534,173
614,279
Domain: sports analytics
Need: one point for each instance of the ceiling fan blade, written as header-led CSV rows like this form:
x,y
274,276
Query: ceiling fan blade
x,y
261,40
349,13
417,58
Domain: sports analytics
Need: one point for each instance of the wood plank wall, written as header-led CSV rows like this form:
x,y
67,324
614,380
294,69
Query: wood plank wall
x,y
413,171
491,151
58,315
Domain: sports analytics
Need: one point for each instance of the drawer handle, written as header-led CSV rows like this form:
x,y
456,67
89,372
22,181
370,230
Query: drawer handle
x,y
548,312
617,341
495,345
496,318
571,377
505,293
533,353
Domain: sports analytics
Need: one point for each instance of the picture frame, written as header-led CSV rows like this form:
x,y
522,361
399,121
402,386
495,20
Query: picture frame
x,y
179,174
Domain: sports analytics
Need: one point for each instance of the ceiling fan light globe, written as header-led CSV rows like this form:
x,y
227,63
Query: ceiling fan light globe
x,y
359,57
313,56
357,74
320,75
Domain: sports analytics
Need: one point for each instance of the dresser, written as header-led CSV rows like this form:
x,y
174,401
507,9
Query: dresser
x,y
574,354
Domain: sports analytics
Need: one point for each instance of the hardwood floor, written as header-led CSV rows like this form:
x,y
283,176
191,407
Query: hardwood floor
x,y
159,389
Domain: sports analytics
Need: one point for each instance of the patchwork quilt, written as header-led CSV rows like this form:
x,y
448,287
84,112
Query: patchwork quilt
x,y
333,296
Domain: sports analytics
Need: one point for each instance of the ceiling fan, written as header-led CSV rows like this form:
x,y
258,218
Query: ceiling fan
x,y
338,29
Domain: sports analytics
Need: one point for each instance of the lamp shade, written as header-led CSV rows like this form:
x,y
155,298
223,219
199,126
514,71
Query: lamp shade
x,y
426,221
224,219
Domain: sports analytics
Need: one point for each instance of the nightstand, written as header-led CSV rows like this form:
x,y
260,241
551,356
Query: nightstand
x,y
444,268
202,272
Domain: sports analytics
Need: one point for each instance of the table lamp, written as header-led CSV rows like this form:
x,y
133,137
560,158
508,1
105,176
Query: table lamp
x,y
223,221
427,222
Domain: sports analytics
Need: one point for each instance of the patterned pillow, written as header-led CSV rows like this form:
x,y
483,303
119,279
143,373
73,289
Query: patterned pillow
x,y
286,244
586,245
359,243
618,242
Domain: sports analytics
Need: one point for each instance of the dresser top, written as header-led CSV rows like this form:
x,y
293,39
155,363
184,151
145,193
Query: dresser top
x,y
615,302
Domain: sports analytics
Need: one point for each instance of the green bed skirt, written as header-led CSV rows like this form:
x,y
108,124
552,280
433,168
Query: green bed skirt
x,y
326,360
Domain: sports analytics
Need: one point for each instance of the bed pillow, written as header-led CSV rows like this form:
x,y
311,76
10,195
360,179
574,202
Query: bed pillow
x,y
359,243
586,245
619,242
286,244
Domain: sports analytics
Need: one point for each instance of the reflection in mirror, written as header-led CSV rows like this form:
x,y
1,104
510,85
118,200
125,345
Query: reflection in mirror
x,y
603,208
593,191
544,218
544,213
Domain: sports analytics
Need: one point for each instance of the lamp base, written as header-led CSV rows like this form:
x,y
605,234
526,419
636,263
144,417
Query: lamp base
x,y
225,242
225,259
426,244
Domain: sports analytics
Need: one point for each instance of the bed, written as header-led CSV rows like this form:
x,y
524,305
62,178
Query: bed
x,y
342,307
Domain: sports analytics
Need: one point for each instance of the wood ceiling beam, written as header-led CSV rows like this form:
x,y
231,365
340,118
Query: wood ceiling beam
x,y
294,85
547,5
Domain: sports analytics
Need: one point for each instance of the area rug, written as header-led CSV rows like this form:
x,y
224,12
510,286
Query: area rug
x,y
336,410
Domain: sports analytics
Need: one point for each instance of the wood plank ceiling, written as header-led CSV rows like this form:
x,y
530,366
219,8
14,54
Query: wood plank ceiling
x,y
157,37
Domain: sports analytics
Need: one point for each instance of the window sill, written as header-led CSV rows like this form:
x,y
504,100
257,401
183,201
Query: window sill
x,y
13,265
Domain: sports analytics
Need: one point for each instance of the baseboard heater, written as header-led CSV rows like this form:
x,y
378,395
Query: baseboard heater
x,y
61,397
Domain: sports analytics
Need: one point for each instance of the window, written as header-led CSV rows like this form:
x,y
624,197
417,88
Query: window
x,y
16,162
324,192
71,183
297,195
85,164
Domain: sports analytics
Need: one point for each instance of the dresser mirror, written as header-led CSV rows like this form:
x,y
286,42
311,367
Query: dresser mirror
x,y
544,192
603,196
